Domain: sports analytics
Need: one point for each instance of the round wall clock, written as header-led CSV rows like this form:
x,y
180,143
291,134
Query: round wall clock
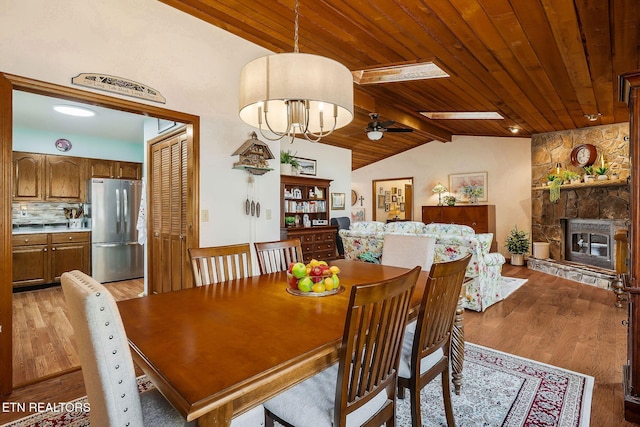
x,y
354,197
584,155
63,144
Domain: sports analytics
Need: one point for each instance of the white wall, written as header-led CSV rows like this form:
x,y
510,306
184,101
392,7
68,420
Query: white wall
x,y
507,162
195,65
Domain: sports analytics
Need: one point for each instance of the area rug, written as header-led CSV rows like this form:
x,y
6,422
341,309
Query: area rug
x,y
499,389
509,285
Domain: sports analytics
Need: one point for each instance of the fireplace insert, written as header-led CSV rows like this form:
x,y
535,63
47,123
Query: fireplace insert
x,y
589,241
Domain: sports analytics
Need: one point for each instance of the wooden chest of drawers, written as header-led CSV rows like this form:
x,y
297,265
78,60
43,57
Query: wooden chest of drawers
x,y
317,242
482,218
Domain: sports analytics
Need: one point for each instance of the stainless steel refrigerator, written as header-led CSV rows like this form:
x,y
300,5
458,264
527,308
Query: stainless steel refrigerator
x,y
113,206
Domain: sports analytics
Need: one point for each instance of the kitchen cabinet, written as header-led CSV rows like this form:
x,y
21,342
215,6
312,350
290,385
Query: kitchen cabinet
x,y
65,178
40,259
28,176
482,218
308,197
48,177
100,168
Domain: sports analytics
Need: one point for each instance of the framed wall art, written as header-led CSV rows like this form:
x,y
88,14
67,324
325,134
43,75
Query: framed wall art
x,y
307,166
337,201
357,214
469,186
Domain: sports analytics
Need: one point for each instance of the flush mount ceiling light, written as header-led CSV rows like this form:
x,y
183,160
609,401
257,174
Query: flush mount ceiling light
x,y
513,129
399,73
593,117
290,94
462,115
72,110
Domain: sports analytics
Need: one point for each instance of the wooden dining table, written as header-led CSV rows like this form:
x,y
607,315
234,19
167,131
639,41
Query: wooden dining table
x,y
216,351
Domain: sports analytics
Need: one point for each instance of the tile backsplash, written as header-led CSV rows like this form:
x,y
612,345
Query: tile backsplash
x,y
40,212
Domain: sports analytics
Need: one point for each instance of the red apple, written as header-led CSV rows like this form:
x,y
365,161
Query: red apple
x,y
291,264
316,271
293,282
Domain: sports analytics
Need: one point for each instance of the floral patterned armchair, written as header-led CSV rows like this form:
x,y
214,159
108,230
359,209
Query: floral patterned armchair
x,y
452,241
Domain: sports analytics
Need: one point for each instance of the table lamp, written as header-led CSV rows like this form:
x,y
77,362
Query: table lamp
x,y
439,189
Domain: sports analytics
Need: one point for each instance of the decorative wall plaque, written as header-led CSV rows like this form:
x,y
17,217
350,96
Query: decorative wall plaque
x,y
118,85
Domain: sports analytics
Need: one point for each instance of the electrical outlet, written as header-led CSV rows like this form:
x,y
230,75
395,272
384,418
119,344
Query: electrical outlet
x,y
204,215
23,211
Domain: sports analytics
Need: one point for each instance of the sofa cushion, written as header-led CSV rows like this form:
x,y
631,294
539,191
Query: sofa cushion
x,y
454,229
404,227
367,226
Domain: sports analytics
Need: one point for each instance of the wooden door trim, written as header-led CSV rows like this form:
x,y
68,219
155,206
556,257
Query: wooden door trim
x,y
10,82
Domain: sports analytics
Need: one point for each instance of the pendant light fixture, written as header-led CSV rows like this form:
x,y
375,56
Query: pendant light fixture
x,y
296,94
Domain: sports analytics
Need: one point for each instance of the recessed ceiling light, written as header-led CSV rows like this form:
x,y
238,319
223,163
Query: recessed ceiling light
x,y
72,110
399,73
462,115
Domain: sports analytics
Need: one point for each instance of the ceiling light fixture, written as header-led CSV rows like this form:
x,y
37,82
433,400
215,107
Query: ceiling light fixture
x,y
593,117
462,115
374,135
514,129
72,110
290,93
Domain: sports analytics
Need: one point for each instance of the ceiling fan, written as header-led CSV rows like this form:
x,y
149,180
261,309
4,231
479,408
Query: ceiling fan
x,y
376,128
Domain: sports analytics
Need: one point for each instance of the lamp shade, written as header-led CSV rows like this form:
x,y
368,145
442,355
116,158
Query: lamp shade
x,y
439,188
268,82
374,135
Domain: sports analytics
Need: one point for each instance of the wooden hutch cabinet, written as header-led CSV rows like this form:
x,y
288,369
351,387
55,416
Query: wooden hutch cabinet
x,y
482,218
307,199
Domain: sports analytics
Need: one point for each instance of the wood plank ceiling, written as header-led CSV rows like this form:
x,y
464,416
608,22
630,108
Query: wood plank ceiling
x,y
542,64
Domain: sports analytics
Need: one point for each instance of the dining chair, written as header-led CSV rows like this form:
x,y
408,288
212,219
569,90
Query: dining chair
x,y
360,390
425,350
402,250
107,366
220,263
276,256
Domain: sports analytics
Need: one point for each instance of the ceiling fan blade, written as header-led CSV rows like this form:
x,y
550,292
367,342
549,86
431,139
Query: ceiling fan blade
x,y
399,130
386,124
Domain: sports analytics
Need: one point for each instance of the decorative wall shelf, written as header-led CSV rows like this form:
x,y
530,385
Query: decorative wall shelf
x,y
606,183
253,170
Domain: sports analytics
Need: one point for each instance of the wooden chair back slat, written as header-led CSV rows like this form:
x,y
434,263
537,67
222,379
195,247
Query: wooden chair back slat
x,y
371,345
220,263
276,256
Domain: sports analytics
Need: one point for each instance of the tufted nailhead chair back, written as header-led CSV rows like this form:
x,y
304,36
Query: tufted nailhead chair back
x,y
107,367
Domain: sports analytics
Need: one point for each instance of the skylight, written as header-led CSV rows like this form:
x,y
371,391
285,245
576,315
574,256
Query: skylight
x,y
462,115
399,73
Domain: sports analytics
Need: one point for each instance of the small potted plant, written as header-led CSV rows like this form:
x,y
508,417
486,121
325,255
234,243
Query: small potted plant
x,y
289,221
602,173
570,177
517,243
550,178
449,200
588,174
288,163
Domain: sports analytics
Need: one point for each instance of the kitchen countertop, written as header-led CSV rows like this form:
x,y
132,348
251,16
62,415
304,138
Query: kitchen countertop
x,y
46,228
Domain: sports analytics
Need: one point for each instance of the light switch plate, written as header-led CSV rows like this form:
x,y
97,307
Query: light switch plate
x,y
204,215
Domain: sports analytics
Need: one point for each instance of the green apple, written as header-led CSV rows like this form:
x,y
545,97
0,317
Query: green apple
x,y
305,284
299,270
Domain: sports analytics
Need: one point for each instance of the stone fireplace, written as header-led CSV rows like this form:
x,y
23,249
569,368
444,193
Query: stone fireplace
x,y
579,227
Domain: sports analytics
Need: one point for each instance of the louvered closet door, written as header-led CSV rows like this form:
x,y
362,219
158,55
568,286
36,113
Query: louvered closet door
x,y
168,258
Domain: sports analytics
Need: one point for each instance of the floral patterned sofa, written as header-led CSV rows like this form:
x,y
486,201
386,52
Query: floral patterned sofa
x,y
364,241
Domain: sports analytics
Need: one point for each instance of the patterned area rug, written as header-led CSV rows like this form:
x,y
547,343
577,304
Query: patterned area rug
x,y
498,389
509,285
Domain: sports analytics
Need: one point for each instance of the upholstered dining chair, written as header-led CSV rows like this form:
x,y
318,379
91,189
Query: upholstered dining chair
x,y
405,250
425,350
220,263
360,389
276,256
107,366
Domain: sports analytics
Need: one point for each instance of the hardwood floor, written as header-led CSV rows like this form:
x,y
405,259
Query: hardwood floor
x,y
43,343
552,320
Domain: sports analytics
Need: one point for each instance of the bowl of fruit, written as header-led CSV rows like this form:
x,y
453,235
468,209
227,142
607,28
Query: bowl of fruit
x,y
317,278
